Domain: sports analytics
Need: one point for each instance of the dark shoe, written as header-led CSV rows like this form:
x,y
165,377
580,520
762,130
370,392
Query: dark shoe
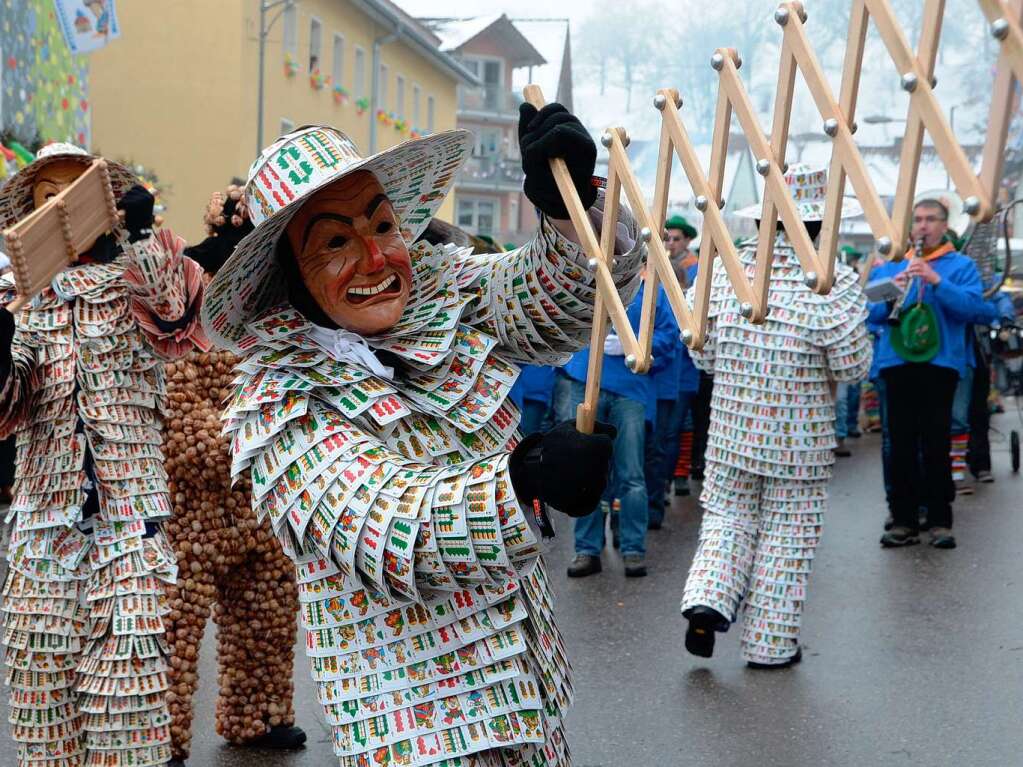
x,y
681,486
282,737
900,536
889,522
704,622
176,763
842,451
985,477
583,565
7,494
942,538
635,567
696,473
788,662
964,486
654,524
855,434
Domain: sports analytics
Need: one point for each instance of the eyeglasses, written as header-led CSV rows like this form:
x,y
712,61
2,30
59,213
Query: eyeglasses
x,y
673,238
927,219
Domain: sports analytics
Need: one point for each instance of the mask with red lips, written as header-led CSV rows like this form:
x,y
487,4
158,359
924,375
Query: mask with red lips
x,y
350,255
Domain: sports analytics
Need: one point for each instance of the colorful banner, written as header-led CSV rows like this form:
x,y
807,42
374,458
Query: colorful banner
x,y
87,24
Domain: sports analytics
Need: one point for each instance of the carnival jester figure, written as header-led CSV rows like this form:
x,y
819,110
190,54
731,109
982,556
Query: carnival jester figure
x,y
372,415
81,385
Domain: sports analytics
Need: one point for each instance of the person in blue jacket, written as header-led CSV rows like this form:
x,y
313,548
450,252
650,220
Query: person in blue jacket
x,y
920,389
676,386
533,392
622,403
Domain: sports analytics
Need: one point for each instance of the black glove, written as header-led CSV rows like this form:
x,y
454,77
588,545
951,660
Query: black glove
x,y
137,204
564,468
555,132
6,338
212,252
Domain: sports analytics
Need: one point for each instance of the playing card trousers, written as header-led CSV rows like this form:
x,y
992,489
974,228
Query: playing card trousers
x,y
84,660
757,544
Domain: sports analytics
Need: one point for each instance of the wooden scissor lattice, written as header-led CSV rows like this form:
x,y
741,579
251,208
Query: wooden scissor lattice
x,y
979,191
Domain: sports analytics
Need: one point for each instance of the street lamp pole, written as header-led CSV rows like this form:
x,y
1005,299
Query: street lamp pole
x,y
264,30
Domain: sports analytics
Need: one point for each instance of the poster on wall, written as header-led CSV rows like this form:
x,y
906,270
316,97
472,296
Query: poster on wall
x,y
87,24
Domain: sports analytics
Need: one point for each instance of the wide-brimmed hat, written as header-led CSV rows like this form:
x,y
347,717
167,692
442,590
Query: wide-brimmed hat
x,y
958,219
809,189
416,176
16,200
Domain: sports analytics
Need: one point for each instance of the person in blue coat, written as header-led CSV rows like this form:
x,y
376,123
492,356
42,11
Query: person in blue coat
x,y
533,392
676,387
622,403
920,384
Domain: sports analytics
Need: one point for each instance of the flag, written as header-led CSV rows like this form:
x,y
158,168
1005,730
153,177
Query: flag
x,y
87,24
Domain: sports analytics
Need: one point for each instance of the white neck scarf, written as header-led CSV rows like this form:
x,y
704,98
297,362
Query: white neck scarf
x,y
346,346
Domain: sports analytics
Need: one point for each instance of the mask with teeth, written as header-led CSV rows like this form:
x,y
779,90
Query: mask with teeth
x,y
344,258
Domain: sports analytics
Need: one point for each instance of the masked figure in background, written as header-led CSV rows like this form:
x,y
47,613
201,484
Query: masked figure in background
x,y
772,440
82,386
372,415
227,560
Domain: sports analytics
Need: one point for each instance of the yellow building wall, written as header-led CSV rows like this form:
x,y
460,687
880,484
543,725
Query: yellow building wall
x,y
178,91
167,95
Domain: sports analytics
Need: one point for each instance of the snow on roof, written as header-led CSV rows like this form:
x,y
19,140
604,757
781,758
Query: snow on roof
x,y
548,36
454,33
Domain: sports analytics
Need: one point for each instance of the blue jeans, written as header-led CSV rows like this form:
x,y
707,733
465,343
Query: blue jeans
x,y
852,407
662,450
627,480
561,401
961,404
536,416
841,417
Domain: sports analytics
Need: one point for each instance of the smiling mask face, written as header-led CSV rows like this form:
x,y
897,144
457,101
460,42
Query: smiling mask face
x,y
351,255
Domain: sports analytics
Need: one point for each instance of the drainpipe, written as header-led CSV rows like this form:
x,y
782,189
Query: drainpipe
x,y
374,88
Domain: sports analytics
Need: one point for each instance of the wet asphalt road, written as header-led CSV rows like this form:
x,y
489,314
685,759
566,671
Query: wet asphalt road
x,y
911,657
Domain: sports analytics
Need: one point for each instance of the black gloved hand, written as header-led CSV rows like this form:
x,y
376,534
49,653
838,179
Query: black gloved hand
x,y
555,132
137,204
6,338
563,468
212,252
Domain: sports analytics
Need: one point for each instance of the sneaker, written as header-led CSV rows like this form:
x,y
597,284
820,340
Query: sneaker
x,y
841,451
899,536
964,487
985,477
635,565
704,622
583,565
681,486
942,538
282,737
792,661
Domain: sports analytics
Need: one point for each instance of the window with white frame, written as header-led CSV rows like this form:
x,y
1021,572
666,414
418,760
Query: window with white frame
x,y
359,83
399,97
337,71
315,45
382,88
429,114
415,106
290,35
477,215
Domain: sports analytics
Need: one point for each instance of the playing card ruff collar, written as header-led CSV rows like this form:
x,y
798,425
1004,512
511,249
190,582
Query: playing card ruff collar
x,y
416,176
16,195
809,189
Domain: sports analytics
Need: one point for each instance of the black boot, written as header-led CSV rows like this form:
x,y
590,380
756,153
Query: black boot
x,y
774,666
281,737
704,622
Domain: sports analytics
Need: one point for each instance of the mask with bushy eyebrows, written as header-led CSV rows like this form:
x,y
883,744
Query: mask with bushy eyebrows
x,y
351,256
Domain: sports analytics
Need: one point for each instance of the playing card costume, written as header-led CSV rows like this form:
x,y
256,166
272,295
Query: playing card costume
x,y
381,461
230,564
82,388
771,443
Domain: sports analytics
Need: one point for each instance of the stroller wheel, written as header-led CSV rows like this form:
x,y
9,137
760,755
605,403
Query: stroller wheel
x,y
1014,449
